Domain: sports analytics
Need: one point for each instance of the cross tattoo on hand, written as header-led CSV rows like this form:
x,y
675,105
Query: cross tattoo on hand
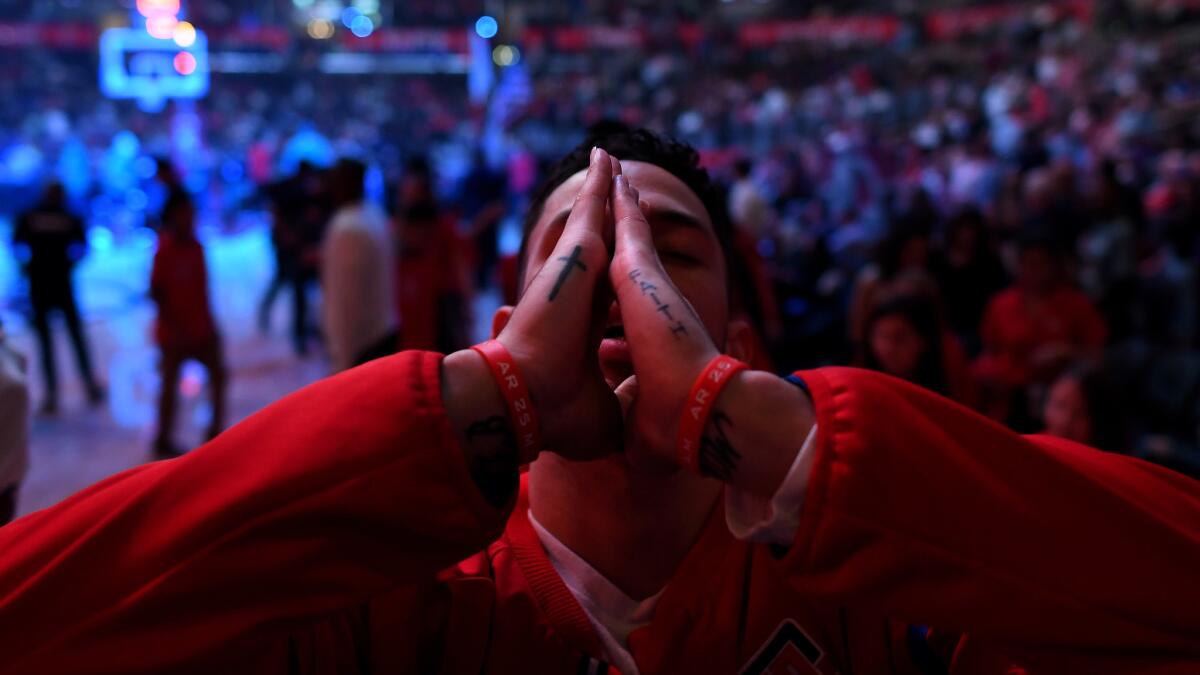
x,y
572,261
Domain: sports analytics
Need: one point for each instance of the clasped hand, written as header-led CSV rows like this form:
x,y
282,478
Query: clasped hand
x,y
555,331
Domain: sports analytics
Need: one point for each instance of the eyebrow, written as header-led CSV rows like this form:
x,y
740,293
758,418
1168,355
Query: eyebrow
x,y
674,217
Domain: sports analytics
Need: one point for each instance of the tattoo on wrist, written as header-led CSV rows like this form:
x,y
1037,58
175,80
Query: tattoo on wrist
x,y
492,459
650,290
718,458
572,261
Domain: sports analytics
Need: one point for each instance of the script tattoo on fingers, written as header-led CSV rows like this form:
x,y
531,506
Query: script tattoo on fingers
x,y
572,261
718,458
493,458
650,290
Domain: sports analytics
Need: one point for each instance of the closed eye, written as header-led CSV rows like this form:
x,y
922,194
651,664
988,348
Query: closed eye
x,y
678,258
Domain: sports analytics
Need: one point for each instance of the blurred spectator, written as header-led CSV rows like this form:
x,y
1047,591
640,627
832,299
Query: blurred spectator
x,y
902,267
287,211
54,240
300,211
185,329
482,204
14,427
1083,405
357,274
168,185
1035,327
1165,302
747,206
968,273
905,338
1108,250
433,279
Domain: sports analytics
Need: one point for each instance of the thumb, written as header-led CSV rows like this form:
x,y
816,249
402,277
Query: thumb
x,y
626,393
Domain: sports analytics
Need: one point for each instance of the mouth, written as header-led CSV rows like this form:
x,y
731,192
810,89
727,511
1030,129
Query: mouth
x,y
614,332
616,363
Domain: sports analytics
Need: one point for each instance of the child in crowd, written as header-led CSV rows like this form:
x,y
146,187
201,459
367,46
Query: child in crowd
x,y
1084,406
185,329
906,338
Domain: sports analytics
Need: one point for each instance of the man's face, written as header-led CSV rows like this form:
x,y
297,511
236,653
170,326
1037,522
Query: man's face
x,y
1036,270
686,244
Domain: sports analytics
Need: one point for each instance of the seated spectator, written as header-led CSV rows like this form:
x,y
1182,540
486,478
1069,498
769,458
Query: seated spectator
x,y
1108,251
1035,327
968,274
906,339
747,206
901,267
1083,406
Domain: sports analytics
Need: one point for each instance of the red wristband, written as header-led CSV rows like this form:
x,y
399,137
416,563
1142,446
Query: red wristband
x,y
516,396
699,405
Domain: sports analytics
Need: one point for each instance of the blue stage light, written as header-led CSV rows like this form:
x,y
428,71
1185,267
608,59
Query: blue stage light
x,y
486,27
362,26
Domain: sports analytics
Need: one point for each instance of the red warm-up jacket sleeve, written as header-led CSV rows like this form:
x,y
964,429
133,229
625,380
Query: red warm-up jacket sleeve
x,y
1061,557
339,492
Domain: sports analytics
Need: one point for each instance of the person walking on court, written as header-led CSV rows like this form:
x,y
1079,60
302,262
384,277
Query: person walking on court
x,y
185,329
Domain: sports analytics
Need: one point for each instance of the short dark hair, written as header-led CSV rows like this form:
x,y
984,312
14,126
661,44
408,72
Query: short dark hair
x,y
176,199
922,313
637,145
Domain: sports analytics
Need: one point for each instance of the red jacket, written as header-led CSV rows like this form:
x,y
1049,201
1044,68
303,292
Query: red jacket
x,y
309,539
1012,332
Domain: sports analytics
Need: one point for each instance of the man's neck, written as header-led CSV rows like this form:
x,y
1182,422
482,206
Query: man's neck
x,y
634,528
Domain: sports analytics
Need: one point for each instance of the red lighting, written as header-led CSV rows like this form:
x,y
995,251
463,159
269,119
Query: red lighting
x,y
185,63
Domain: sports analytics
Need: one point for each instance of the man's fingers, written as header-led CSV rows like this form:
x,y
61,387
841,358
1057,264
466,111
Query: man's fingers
x,y
587,214
581,251
633,232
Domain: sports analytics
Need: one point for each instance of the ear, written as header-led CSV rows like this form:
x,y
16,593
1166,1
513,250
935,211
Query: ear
x,y
740,342
500,319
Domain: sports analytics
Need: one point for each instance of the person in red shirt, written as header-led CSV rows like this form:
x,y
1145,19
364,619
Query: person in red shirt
x,y
1034,328
837,520
185,329
432,280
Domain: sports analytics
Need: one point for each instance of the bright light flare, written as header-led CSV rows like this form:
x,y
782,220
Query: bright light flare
x,y
506,55
320,29
185,34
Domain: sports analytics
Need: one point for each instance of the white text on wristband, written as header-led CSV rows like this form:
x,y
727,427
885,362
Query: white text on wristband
x,y
699,405
516,396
